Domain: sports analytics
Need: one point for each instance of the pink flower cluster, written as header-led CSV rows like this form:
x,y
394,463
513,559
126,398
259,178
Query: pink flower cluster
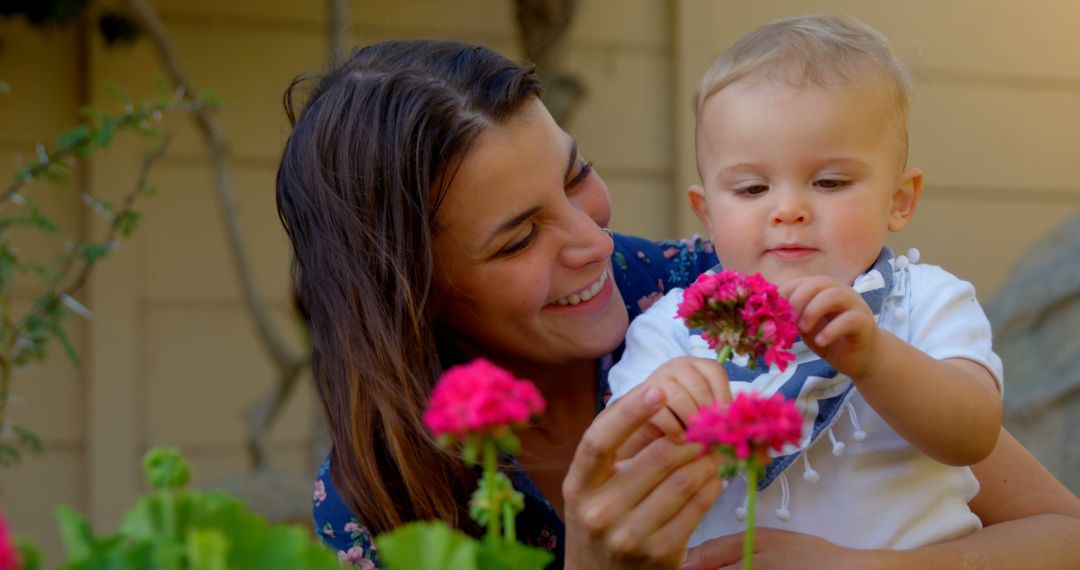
x,y
749,426
480,397
9,556
745,314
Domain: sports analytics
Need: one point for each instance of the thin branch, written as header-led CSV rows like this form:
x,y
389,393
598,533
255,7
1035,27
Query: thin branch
x,y
65,151
338,23
263,414
213,136
544,26
56,299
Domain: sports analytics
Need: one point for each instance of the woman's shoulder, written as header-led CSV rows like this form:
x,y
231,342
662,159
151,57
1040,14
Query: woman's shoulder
x,y
337,526
645,270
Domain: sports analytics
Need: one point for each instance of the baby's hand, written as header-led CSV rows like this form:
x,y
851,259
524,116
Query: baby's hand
x,y
689,383
835,323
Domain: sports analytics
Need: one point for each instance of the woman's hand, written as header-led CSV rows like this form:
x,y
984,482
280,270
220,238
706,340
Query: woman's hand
x,y
775,548
636,512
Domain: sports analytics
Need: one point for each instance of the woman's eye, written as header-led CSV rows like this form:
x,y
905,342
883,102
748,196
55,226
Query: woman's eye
x,y
518,246
583,173
831,184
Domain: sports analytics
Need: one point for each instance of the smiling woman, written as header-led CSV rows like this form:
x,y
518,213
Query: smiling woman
x,y
521,249
437,213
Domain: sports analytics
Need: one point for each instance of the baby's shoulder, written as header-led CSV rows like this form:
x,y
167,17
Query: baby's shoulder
x,y
927,278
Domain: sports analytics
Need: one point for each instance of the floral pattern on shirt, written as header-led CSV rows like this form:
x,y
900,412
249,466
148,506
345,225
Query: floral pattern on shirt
x,y
643,270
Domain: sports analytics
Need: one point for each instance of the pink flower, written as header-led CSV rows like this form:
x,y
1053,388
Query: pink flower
x,y
9,556
355,556
647,301
480,397
748,427
352,527
319,494
743,314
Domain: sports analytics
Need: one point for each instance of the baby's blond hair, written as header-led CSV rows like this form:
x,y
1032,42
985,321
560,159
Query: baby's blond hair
x,y
813,50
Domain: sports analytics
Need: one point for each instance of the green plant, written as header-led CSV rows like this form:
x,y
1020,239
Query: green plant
x,y
175,528
24,335
475,406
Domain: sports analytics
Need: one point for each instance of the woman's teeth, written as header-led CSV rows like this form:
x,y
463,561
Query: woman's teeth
x,y
586,293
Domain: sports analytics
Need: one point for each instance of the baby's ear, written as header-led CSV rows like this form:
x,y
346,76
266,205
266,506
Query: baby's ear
x,y
699,205
905,198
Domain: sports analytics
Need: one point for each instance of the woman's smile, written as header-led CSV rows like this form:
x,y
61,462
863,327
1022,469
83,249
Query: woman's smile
x,y
588,292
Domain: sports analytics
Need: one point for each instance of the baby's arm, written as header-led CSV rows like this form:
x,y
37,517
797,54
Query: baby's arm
x,y
956,415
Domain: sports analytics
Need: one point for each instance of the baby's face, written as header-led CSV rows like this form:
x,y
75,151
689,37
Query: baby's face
x,y
801,181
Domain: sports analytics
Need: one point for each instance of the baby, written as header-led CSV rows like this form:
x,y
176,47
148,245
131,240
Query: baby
x,y
802,152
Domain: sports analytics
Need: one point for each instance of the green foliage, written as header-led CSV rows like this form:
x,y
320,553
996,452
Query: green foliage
x,y
25,338
434,546
427,546
29,554
174,528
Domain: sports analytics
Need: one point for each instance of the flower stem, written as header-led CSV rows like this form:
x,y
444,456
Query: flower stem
x,y
509,530
725,355
490,472
748,539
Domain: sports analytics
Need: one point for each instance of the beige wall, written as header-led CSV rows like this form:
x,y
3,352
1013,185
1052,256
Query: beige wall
x,y
171,357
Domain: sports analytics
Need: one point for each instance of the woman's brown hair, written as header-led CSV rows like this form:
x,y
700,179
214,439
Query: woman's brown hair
x,y
363,173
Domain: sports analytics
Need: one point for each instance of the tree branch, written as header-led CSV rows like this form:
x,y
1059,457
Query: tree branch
x,y
288,363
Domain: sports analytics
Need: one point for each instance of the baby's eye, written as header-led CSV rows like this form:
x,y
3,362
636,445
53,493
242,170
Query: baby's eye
x,y
754,190
831,183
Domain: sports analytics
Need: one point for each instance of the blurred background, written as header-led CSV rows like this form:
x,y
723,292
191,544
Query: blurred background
x,y
194,345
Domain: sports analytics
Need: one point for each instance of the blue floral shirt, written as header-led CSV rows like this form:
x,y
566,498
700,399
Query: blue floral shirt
x,y
644,270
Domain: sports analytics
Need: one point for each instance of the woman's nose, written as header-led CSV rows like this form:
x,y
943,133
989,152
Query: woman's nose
x,y
586,242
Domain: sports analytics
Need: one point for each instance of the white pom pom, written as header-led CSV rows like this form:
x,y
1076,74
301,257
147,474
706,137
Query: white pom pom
x,y
783,514
740,513
913,254
811,475
900,314
901,262
838,448
859,435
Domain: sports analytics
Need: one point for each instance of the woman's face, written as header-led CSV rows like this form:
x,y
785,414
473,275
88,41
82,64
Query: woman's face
x,y
523,269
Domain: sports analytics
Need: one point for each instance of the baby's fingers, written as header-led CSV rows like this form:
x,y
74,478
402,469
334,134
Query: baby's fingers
x,y
845,324
827,304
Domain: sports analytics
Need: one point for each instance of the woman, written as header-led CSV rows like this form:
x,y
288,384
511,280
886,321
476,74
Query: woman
x,y
437,213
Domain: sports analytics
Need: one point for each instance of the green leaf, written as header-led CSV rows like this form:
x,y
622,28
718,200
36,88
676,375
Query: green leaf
x,y
69,348
104,134
57,173
73,137
27,173
127,222
93,252
166,468
211,99
162,86
28,554
28,438
512,556
9,455
426,546
75,533
207,549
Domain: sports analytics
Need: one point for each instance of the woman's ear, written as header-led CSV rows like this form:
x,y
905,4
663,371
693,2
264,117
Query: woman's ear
x,y
905,198
700,206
